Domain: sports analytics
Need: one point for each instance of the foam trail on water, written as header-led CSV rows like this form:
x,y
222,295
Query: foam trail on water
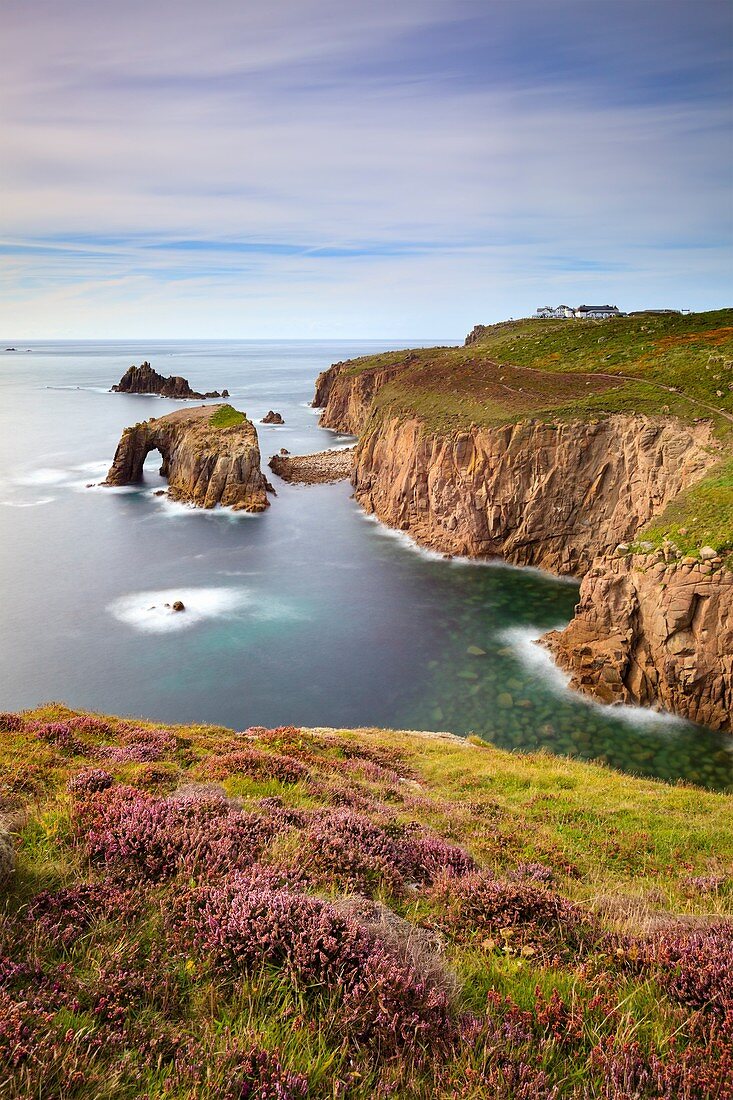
x,y
524,642
457,560
146,611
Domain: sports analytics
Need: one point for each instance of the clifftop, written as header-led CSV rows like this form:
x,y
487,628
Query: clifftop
x,y
144,379
197,912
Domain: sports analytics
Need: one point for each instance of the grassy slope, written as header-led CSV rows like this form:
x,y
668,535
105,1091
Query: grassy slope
x,y
226,417
627,847
561,370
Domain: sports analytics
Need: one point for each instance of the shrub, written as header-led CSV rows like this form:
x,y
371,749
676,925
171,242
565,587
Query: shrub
x,y
158,837
89,781
479,902
141,746
255,763
696,967
384,1001
65,914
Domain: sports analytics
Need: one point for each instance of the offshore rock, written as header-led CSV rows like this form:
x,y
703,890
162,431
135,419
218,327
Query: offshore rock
x,y
272,418
144,379
205,465
646,632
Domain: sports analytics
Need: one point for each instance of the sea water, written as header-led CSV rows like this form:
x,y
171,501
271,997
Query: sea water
x,y
308,614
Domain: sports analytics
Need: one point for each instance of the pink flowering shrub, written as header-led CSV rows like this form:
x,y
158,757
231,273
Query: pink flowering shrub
x,y
140,746
352,850
62,735
696,968
89,781
531,872
479,902
11,723
255,763
384,1001
65,914
158,837
432,857
245,1071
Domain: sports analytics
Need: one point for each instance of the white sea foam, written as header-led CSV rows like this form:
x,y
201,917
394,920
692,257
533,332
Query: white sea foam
x,y
147,611
27,503
176,509
458,560
46,475
524,642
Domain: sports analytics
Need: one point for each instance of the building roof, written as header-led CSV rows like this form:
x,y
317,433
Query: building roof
x,y
595,309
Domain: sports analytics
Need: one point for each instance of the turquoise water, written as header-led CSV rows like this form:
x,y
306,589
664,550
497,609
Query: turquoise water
x,y
308,614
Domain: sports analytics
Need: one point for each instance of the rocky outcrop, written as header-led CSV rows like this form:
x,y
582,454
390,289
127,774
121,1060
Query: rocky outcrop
x,y
562,496
144,379
272,418
549,495
205,464
648,631
346,398
321,468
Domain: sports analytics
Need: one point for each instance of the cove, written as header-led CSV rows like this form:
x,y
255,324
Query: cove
x,y
307,614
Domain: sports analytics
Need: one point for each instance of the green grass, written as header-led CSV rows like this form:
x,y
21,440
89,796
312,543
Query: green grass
x,y
558,371
621,846
699,516
226,417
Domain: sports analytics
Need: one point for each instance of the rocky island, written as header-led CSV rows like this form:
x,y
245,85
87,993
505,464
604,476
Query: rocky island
x,y
210,456
145,380
601,450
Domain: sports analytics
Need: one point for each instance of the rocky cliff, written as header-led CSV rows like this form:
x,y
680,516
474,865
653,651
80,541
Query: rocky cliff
x,y
346,398
210,456
549,495
562,495
144,379
654,632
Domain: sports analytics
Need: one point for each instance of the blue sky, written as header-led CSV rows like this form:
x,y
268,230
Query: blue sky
x,y
363,169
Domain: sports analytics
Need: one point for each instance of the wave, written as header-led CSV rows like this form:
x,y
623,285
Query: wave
x,y
27,503
524,642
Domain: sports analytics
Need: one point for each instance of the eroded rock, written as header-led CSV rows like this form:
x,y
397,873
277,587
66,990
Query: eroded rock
x,y
144,379
204,464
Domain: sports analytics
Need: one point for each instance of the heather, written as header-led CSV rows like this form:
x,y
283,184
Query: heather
x,y
274,914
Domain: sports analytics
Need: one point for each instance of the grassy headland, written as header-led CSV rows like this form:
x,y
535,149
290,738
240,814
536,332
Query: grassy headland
x,y
291,912
562,370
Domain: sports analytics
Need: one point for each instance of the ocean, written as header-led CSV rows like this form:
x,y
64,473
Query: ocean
x,y
308,614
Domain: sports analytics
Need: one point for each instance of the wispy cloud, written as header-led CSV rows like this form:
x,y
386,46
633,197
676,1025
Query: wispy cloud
x,y
380,168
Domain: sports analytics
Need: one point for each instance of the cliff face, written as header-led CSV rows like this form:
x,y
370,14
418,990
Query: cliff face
x,y
346,399
144,379
204,464
646,631
562,497
553,496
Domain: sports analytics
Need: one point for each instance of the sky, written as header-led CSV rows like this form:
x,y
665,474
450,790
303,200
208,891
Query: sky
x,y
385,169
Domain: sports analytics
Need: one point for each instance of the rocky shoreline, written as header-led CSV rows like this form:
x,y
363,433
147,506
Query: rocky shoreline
x,y
561,496
314,469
